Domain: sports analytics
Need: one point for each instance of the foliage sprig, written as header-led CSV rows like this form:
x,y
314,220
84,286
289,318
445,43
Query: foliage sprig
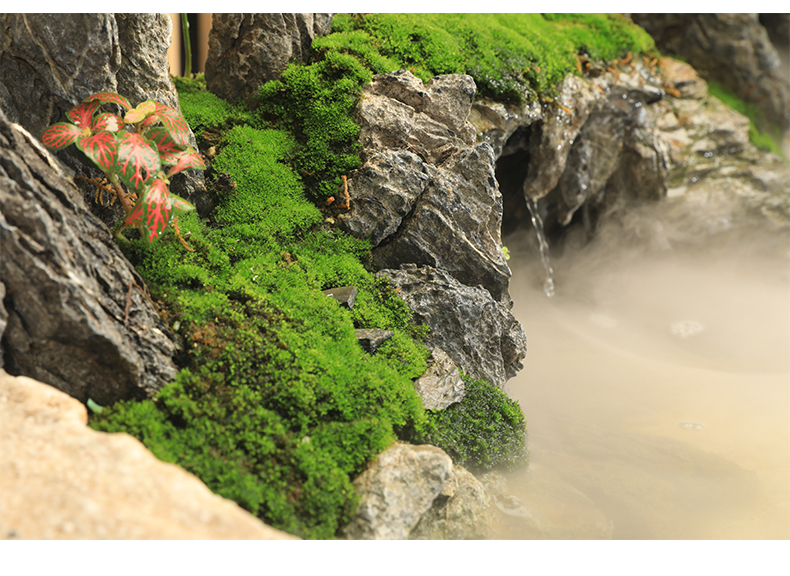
x,y
142,149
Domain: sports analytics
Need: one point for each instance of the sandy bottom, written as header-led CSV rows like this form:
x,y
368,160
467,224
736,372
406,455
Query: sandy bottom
x,y
656,389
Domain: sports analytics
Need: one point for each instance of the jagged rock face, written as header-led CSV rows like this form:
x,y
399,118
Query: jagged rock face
x,y
462,511
427,193
550,144
480,334
50,62
415,492
68,288
247,50
731,48
62,480
441,384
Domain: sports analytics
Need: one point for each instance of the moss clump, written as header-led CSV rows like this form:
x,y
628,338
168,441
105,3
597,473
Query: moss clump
x,y
276,405
483,431
512,57
764,140
315,103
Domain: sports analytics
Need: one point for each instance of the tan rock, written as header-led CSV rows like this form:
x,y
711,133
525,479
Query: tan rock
x,y
62,480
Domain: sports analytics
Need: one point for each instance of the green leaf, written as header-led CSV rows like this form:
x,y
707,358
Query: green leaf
x,y
60,135
174,123
138,160
187,160
141,112
101,148
168,150
107,121
109,97
82,115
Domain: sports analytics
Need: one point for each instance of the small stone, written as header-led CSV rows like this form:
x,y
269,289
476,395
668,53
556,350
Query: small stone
x,y
345,295
371,338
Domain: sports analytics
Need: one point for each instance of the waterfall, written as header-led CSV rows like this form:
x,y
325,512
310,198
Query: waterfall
x,y
537,223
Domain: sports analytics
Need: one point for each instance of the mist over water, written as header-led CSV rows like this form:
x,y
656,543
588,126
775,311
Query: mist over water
x,y
656,388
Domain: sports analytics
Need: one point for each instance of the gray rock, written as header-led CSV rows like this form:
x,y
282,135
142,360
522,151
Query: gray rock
x,y
550,145
384,190
69,288
396,490
50,62
345,295
455,225
427,193
731,48
477,332
247,50
462,511
371,338
441,384
496,122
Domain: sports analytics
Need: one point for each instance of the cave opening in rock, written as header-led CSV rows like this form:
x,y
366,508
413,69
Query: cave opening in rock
x,y
511,170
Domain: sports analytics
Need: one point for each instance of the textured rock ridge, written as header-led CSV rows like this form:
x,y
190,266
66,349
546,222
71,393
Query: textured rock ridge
x,y
247,50
62,480
76,316
50,62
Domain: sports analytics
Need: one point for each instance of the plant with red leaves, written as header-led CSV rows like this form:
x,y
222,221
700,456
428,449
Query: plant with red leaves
x,y
135,150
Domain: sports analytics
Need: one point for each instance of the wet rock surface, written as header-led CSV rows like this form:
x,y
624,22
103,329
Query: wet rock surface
x,y
247,50
50,62
62,480
77,318
480,334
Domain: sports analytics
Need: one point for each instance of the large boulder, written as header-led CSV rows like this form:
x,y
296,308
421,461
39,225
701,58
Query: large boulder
x,y
247,50
62,480
50,62
734,49
480,334
415,492
78,316
462,511
427,193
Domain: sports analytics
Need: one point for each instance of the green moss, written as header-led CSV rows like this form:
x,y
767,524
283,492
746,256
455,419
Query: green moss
x,y
763,139
483,431
510,56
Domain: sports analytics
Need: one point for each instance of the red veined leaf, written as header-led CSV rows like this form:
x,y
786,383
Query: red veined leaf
x,y
180,206
109,97
83,114
167,148
138,160
175,124
150,121
187,160
141,112
102,148
157,209
134,217
107,121
60,135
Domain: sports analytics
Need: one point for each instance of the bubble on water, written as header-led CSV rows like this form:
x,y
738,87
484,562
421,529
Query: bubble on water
x,y
686,328
691,425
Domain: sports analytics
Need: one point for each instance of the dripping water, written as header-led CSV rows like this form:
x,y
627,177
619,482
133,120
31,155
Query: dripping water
x,y
543,245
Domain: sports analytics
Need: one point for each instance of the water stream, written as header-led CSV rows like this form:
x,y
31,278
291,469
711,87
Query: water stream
x,y
543,246
656,389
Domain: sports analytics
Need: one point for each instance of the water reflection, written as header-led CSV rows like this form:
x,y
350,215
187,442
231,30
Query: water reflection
x,y
657,392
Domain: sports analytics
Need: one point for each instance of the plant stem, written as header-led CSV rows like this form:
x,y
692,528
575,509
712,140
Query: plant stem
x,y
187,45
121,194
